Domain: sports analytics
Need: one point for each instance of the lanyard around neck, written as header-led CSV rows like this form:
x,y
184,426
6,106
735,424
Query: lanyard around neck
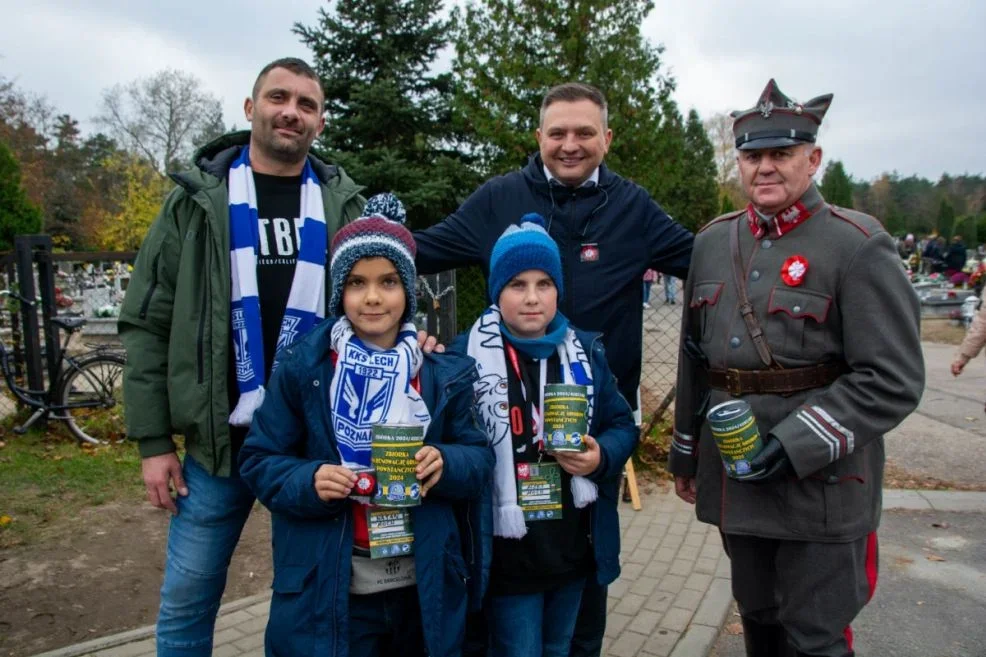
x,y
543,380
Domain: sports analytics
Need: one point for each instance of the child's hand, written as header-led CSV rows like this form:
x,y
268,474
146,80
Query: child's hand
x,y
430,467
580,463
333,482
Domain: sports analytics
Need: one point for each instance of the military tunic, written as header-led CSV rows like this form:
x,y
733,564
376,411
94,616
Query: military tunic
x,y
853,305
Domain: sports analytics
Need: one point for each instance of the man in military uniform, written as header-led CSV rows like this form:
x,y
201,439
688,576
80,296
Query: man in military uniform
x,y
802,310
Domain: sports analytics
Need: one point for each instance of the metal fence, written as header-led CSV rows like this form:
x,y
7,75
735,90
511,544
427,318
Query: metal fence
x,y
89,285
465,290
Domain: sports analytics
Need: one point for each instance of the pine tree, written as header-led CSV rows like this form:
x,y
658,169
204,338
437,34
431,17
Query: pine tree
x,y
700,175
18,216
510,52
836,187
388,121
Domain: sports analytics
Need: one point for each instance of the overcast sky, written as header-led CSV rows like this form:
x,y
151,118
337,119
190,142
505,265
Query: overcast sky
x,y
909,76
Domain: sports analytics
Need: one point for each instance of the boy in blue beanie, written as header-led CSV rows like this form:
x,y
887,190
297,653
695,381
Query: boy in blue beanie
x,y
521,343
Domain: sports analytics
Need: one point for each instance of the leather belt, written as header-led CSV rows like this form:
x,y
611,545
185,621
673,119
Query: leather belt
x,y
765,382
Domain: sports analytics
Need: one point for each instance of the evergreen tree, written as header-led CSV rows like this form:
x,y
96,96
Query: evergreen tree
x,y
18,216
388,117
510,52
699,175
836,186
946,218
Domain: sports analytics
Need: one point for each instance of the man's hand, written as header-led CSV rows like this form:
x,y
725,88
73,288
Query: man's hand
x,y
771,463
580,463
958,365
430,467
159,473
685,488
429,343
333,482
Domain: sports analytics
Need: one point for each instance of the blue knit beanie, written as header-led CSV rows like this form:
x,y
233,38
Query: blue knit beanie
x,y
523,247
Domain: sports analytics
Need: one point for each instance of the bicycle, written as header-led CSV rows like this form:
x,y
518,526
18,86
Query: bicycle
x,y
86,387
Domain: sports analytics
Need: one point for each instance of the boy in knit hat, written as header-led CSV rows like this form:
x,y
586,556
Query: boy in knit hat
x,y
310,438
521,343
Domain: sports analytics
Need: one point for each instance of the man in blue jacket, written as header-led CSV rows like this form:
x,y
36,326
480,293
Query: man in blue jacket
x,y
609,231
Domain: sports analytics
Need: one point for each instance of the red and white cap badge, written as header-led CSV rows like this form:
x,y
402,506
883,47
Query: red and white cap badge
x,y
794,269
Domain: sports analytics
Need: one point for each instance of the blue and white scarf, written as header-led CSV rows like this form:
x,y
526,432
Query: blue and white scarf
x,y
306,302
373,386
485,345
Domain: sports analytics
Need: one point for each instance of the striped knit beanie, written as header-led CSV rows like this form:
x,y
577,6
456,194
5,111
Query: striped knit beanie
x,y
523,247
380,232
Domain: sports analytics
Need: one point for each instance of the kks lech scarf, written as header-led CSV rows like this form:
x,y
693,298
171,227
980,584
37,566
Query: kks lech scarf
x,y
373,386
306,301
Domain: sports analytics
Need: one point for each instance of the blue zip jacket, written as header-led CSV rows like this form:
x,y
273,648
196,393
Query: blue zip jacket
x,y
608,236
614,429
292,436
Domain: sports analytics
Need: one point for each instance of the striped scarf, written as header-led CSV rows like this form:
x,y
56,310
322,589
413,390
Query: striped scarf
x,y
306,302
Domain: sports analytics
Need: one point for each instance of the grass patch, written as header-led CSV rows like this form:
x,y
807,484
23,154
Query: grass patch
x,y
942,331
49,479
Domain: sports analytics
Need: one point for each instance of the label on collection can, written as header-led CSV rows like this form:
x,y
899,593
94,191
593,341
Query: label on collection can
x,y
564,418
393,448
736,434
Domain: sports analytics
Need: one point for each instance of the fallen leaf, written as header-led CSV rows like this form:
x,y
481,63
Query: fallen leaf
x,y
734,628
940,525
902,561
935,557
5,520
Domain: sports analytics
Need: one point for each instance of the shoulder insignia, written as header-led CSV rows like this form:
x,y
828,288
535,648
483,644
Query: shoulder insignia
x,y
844,216
721,218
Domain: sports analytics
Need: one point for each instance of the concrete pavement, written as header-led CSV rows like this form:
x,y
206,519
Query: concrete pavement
x,y
670,600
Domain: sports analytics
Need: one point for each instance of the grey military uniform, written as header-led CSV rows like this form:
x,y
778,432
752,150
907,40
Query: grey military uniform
x,y
854,305
803,547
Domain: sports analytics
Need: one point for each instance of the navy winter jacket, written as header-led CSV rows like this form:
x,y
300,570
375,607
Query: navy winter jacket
x,y
292,436
616,219
614,429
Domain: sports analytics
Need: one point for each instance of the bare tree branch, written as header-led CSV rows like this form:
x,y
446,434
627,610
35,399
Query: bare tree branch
x,y
159,117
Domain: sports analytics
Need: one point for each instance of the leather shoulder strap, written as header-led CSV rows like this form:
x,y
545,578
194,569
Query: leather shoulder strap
x,y
746,308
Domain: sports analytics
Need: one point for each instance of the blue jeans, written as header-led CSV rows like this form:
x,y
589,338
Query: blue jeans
x,y
670,288
386,624
535,625
201,541
647,285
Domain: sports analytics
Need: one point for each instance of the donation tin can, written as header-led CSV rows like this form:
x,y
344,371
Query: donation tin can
x,y
736,434
565,417
393,447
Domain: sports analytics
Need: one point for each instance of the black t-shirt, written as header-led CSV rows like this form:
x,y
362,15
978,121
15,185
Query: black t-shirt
x,y
278,207
553,552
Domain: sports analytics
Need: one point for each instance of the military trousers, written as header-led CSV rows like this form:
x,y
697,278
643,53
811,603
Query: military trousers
x,y
813,590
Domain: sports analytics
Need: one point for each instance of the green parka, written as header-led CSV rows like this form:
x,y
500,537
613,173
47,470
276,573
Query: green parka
x,y
175,319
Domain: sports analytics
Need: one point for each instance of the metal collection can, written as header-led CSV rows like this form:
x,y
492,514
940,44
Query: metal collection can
x,y
565,417
736,434
393,448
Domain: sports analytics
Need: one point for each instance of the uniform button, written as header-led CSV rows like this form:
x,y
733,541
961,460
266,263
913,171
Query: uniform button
x,y
796,309
832,480
767,244
754,275
734,342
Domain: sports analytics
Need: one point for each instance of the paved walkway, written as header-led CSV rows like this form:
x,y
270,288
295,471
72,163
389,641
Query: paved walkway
x,y
671,599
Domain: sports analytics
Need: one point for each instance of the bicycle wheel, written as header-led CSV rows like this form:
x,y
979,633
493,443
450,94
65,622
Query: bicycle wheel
x,y
96,382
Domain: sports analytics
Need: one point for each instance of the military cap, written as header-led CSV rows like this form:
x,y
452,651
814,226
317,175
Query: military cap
x,y
777,121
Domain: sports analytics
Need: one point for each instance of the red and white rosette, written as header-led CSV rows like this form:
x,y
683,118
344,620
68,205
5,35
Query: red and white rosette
x,y
794,269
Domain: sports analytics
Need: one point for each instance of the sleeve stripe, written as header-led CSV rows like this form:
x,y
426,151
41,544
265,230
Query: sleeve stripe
x,y
830,440
850,437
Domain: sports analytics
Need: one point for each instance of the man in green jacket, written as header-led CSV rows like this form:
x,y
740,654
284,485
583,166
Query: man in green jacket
x,y
232,269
